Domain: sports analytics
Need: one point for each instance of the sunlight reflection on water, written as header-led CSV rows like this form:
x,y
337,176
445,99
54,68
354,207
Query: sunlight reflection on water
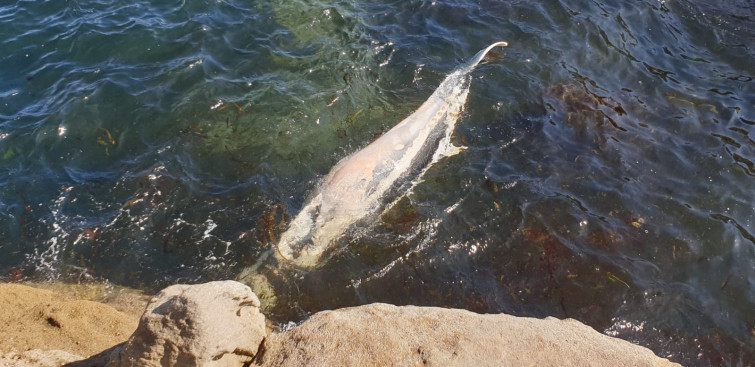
x,y
607,176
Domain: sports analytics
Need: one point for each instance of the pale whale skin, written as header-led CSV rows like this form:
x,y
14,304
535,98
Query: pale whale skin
x,y
356,188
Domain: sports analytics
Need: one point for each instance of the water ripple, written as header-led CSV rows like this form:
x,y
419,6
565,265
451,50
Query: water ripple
x,y
607,175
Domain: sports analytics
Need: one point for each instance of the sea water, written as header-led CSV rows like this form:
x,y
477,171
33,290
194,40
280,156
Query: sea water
x,y
608,175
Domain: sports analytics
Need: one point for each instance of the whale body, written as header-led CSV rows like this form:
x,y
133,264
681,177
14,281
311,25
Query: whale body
x,y
357,188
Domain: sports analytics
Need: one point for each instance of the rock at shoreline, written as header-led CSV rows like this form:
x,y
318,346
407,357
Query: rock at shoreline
x,y
37,358
33,318
219,324
211,324
386,335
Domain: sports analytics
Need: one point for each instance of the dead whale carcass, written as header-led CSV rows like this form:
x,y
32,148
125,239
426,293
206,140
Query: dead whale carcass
x,y
356,188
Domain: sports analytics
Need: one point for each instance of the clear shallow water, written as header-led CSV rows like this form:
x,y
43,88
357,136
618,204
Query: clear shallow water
x,y
608,176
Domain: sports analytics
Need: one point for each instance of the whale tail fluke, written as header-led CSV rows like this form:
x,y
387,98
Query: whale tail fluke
x,y
481,55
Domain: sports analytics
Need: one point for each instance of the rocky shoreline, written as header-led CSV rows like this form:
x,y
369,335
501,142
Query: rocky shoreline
x,y
220,324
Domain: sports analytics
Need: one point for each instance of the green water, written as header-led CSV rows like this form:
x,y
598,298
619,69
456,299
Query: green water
x,y
607,177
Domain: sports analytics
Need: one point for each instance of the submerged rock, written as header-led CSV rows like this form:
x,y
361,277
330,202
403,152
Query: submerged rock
x,y
211,324
386,335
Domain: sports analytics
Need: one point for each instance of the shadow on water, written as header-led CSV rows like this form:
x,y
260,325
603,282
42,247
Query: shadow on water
x,y
607,176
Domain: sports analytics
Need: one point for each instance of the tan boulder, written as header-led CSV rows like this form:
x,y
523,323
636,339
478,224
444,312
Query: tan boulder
x,y
32,318
37,358
219,324
210,324
386,335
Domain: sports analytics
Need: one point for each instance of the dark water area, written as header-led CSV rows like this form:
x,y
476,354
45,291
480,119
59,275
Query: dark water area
x,y
608,174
